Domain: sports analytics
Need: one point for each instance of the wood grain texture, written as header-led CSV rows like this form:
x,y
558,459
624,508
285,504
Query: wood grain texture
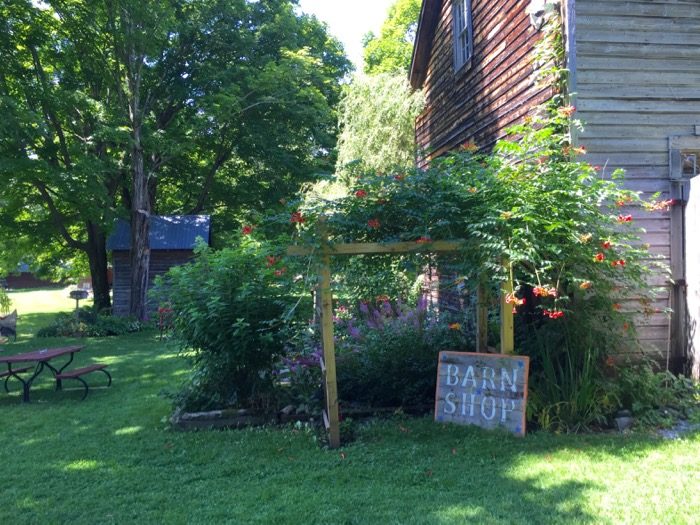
x,y
486,390
495,91
160,262
638,84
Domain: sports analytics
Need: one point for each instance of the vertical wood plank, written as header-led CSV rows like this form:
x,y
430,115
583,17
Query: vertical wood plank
x,y
329,354
331,386
507,327
482,316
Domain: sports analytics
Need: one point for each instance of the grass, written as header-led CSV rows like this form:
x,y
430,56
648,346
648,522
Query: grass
x,y
113,459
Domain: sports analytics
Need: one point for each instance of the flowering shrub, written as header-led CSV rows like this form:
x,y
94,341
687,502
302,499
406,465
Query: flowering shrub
x,y
387,353
227,307
560,231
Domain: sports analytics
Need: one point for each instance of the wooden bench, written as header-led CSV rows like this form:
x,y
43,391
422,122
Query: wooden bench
x,y
6,374
77,374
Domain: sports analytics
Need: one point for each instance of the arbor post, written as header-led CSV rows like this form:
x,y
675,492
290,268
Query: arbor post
x,y
330,414
507,326
482,316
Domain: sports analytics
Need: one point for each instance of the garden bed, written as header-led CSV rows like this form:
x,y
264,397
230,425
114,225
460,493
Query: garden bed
x,y
241,417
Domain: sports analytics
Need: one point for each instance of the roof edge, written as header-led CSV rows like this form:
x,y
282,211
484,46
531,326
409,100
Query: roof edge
x,y
429,17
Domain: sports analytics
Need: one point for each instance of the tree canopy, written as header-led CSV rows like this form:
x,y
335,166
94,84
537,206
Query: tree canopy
x,y
127,108
391,50
376,117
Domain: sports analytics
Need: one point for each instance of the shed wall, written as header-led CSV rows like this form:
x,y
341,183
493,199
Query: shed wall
x,y
161,262
638,83
490,94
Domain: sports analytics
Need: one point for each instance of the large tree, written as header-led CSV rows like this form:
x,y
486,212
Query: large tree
x,y
391,50
378,109
376,117
125,107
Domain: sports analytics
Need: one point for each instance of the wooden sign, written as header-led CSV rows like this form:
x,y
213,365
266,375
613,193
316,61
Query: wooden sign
x,y
487,390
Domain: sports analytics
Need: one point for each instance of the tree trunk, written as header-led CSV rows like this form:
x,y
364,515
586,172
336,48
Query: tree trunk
x,y
140,228
97,257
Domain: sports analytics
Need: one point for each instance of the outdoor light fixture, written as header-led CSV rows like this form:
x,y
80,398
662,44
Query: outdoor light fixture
x,y
537,11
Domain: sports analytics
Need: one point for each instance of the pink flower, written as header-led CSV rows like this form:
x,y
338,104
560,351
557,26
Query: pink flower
x,y
373,223
247,230
360,194
297,218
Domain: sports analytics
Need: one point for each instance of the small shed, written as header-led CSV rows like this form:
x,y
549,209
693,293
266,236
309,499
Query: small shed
x,y
172,239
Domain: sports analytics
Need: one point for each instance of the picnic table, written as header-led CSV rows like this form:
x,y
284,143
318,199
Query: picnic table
x,y
42,359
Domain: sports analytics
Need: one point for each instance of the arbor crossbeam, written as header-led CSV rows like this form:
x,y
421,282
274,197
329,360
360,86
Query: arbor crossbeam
x,y
326,250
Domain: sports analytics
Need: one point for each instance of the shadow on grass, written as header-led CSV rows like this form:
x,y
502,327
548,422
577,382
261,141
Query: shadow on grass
x,y
112,458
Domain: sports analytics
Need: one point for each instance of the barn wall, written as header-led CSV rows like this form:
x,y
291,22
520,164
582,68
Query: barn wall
x,y
161,262
495,91
637,84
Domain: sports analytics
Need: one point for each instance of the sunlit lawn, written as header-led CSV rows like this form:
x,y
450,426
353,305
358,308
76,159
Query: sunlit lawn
x,y
113,459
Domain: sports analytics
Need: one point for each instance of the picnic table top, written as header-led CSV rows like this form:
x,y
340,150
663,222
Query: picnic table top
x,y
45,354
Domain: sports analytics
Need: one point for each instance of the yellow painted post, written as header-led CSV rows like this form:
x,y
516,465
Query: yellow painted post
x,y
507,326
482,316
331,386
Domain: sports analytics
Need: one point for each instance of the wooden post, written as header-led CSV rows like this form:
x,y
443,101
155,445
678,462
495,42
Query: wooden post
x,y
330,416
507,327
482,316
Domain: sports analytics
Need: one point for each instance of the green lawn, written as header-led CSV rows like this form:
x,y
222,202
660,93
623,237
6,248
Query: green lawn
x,y
113,459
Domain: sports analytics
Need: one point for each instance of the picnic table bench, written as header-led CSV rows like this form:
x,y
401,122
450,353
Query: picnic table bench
x,y
77,374
40,360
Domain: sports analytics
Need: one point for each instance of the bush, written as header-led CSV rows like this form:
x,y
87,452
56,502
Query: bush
x,y
656,399
89,323
5,301
387,355
227,307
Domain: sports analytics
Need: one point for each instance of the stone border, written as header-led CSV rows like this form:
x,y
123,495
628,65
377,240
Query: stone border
x,y
241,418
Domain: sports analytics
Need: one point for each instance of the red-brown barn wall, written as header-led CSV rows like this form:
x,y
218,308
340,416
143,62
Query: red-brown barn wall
x,y
27,280
492,93
161,262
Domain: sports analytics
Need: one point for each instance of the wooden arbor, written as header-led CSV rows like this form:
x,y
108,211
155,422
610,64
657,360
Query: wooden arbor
x,y
327,250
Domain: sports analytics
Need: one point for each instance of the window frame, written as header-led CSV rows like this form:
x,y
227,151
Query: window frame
x,y
463,48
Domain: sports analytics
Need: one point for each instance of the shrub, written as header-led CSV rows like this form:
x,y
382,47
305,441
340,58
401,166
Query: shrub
x,y
387,355
654,398
5,301
227,307
89,323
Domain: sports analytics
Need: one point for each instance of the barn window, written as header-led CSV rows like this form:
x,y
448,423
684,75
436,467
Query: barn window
x,y
463,37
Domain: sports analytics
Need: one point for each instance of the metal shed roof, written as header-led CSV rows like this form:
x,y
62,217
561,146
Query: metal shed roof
x,y
172,232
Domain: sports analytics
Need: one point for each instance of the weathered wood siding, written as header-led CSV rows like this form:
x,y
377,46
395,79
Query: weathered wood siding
x,y
491,93
161,262
638,83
